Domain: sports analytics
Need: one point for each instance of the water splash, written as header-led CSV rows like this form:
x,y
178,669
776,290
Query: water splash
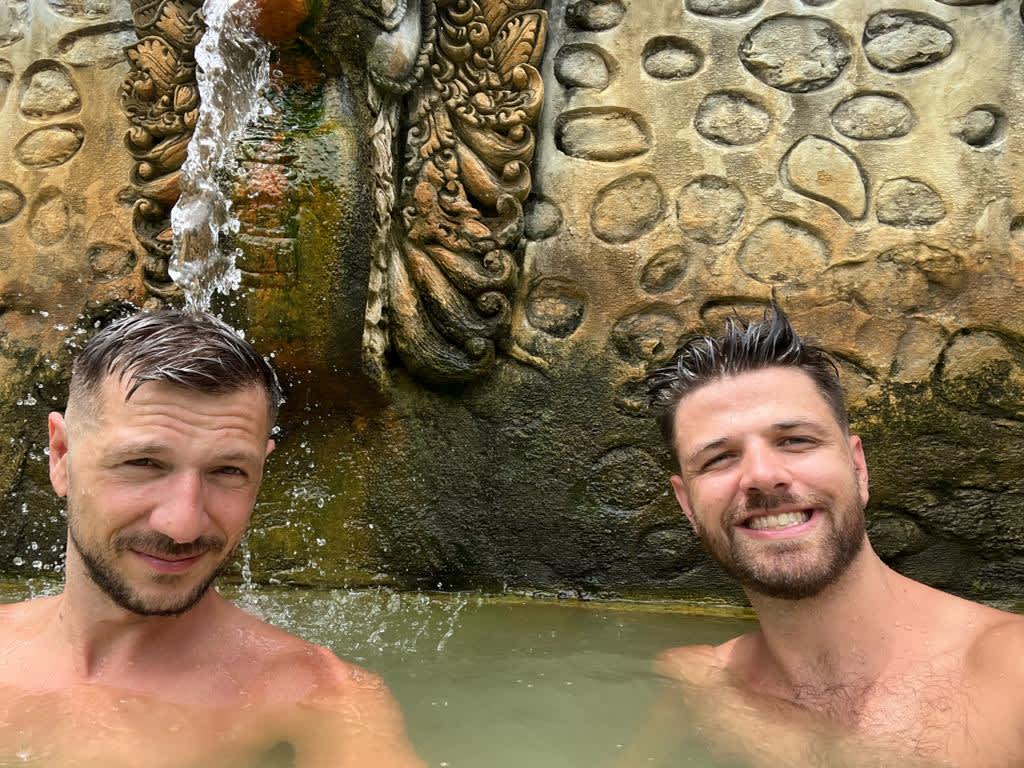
x,y
233,73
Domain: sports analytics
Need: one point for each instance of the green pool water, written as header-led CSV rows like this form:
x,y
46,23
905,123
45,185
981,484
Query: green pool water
x,y
498,682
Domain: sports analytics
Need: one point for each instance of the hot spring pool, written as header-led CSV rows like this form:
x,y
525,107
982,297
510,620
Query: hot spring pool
x,y
497,682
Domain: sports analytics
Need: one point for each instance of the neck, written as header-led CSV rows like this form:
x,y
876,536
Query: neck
x,y
101,635
846,635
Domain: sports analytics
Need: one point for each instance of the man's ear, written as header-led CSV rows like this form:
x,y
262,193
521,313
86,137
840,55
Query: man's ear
x,y
860,466
58,453
683,498
271,445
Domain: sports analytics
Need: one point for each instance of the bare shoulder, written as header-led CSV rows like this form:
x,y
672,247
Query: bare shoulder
x,y
997,648
297,669
700,664
21,621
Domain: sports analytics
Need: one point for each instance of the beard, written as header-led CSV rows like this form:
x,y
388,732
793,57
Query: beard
x,y
798,573
103,571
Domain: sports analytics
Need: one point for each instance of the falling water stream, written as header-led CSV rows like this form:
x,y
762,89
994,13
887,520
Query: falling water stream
x,y
233,73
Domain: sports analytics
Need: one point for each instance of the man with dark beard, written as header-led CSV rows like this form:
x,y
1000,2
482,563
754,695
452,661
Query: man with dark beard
x,y
160,454
853,664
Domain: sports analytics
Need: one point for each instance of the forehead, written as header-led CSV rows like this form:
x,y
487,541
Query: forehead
x,y
749,401
240,413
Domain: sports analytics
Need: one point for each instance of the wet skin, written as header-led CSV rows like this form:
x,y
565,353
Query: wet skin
x,y
868,666
160,490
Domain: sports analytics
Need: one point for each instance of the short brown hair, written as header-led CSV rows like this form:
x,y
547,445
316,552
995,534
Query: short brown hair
x,y
742,348
192,350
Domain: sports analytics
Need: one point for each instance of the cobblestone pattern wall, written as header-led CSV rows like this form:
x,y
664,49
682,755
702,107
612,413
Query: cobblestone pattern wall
x,y
66,244
857,161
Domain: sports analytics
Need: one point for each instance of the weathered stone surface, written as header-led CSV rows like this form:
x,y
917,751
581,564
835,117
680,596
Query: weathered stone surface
x,y
873,116
646,337
981,370
722,8
627,208
50,92
15,21
6,76
664,270
96,47
11,202
730,117
941,267
566,403
825,171
582,65
899,41
49,146
81,9
710,209
595,15
49,218
555,306
626,478
605,134
795,53
671,58
783,250
543,218
918,352
909,203
979,127
667,551
110,261
892,536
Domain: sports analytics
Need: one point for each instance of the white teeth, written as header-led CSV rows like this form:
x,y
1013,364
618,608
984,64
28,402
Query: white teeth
x,y
783,520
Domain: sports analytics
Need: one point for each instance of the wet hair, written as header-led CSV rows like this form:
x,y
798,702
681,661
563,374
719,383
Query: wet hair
x,y
191,350
744,347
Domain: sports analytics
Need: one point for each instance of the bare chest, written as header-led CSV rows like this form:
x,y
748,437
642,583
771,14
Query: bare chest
x,y
98,727
934,714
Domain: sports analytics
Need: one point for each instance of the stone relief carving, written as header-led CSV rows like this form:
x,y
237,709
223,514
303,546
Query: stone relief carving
x,y
449,235
445,266
161,99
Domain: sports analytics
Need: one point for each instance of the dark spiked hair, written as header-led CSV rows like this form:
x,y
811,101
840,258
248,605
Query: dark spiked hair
x,y
742,348
191,350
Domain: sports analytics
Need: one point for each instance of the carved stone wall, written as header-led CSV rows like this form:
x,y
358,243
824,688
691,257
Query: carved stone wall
x,y
67,250
859,163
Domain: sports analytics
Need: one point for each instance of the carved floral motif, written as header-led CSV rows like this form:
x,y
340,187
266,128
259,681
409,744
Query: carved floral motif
x,y
161,99
450,271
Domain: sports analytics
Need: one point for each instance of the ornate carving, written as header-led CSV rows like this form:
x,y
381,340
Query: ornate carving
x,y
161,99
447,268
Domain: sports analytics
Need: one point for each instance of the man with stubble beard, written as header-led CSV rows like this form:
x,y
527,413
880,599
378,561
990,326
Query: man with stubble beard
x,y
160,454
852,664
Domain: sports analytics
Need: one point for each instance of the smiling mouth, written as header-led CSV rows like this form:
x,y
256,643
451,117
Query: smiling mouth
x,y
168,564
778,521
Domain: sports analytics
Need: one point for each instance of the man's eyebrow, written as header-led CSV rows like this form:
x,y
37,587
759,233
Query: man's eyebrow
x,y
238,456
137,449
718,443
783,426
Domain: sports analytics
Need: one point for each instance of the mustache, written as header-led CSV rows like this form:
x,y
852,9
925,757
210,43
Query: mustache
x,y
156,543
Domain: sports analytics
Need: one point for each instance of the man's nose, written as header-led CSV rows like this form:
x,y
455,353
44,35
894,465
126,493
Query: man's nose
x,y
181,515
763,469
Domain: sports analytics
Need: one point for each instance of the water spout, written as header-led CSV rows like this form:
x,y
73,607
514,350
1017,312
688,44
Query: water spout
x,y
233,72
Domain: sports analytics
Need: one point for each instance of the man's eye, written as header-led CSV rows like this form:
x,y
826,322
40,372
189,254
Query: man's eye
x,y
231,471
797,441
141,462
716,460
